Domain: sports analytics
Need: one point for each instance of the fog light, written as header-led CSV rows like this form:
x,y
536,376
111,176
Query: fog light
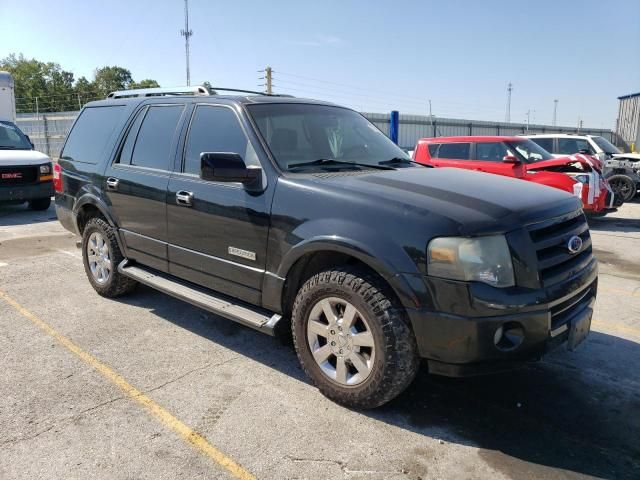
x,y
508,336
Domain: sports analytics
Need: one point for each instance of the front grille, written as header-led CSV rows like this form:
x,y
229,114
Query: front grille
x,y
562,312
550,238
22,175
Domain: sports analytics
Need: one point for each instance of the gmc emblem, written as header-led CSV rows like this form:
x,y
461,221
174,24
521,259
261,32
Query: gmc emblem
x,y
9,176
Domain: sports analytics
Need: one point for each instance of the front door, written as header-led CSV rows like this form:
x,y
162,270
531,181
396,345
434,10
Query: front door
x,y
217,231
489,156
136,183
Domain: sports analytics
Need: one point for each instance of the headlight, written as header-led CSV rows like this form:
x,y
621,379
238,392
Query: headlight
x,y
45,169
480,259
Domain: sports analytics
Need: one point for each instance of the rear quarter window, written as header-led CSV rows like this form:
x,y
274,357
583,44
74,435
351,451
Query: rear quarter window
x,y
92,133
546,143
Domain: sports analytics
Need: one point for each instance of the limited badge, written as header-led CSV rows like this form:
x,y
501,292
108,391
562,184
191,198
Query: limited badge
x,y
238,252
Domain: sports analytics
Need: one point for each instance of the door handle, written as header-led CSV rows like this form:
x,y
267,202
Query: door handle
x,y
184,198
112,183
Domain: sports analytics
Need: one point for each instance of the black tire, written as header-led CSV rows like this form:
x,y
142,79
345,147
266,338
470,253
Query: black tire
x,y
623,186
40,203
396,358
116,284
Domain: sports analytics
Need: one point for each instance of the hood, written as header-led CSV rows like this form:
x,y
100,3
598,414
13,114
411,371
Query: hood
x,y
13,158
575,163
630,156
474,202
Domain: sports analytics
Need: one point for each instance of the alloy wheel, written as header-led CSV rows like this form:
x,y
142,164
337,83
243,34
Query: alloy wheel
x,y
341,341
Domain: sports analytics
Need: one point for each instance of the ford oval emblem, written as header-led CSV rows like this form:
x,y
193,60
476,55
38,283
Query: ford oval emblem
x,y
574,245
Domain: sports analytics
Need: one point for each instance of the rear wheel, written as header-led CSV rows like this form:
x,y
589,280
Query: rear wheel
x,y
623,186
40,203
101,256
353,339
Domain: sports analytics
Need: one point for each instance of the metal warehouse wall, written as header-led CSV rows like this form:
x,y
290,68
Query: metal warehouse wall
x,y
48,130
629,119
413,127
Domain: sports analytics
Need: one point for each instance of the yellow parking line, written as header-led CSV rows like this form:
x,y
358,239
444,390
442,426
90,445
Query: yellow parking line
x,y
165,417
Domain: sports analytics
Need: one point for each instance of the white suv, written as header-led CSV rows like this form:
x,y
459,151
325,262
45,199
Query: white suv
x,y
622,170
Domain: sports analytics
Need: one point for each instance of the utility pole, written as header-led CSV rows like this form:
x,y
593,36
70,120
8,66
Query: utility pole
x,y
186,33
431,118
555,112
528,119
507,117
269,79
580,124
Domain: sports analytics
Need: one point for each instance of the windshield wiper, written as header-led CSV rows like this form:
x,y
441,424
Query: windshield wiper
x,y
333,161
397,160
8,147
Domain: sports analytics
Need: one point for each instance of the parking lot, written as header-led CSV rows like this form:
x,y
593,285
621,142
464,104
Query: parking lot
x,y
151,387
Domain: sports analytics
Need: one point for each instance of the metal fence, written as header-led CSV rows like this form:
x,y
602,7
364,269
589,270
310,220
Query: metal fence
x,y
48,130
414,127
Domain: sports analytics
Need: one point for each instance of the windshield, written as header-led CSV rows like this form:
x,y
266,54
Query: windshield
x,y
332,137
530,151
11,138
606,145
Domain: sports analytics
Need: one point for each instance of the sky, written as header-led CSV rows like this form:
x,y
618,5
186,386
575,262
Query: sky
x,y
373,55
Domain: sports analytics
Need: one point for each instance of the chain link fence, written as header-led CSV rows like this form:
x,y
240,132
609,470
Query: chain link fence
x,y
48,130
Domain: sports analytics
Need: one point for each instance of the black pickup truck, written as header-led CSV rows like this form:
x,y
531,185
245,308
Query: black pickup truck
x,y
281,213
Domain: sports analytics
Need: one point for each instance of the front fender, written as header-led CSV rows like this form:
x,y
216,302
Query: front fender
x,y
370,246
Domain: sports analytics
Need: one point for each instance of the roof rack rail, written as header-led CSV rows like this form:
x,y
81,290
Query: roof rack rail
x,y
158,92
196,90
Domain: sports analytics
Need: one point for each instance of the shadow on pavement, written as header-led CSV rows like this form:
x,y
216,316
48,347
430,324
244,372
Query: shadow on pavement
x,y
578,412
21,214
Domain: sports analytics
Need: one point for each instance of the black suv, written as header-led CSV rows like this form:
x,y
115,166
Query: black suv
x,y
284,213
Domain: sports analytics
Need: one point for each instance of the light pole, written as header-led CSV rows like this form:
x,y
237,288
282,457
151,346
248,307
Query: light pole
x,y
186,33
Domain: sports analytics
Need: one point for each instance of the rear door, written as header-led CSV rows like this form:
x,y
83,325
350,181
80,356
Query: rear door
x,y
218,237
136,182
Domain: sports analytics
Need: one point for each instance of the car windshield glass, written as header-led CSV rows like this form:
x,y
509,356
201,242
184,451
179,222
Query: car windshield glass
x,y
530,151
298,134
11,138
606,145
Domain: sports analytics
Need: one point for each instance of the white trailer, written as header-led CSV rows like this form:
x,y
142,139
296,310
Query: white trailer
x,y
7,98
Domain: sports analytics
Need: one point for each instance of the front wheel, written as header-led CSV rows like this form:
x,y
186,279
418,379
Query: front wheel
x,y
623,186
353,339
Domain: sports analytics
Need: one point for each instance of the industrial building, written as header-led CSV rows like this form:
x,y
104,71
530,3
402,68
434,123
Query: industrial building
x,y
628,126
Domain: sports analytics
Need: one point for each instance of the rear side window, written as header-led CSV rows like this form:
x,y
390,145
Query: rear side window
x,y
546,143
92,133
491,151
215,129
153,142
569,146
457,151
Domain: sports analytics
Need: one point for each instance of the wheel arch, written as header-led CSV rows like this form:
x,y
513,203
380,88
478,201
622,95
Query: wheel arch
x,y
318,254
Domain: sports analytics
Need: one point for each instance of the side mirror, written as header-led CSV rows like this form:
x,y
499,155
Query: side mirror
x,y
510,159
227,167
585,151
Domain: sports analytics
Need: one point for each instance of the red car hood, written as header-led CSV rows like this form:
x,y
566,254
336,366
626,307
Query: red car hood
x,y
587,163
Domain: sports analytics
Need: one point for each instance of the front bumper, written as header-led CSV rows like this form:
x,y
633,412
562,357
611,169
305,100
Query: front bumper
x,y
22,193
464,343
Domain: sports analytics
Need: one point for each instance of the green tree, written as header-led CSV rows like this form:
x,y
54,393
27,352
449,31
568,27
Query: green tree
x,y
146,83
32,78
109,79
